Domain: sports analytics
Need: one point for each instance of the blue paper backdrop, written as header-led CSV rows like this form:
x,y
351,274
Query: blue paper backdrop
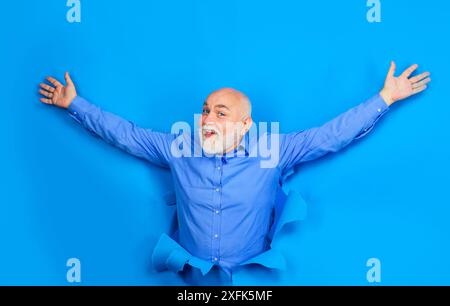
x,y
66,194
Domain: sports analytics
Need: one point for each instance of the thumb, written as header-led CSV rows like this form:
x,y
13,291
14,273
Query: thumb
x,y
68,79
391,69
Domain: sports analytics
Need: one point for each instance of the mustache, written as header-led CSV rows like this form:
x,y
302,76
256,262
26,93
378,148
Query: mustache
x,y
210,128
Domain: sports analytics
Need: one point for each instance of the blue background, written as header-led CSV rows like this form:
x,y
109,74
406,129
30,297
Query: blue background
x,y
66,194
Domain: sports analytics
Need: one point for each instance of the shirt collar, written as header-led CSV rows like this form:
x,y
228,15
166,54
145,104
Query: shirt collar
x,y
245,146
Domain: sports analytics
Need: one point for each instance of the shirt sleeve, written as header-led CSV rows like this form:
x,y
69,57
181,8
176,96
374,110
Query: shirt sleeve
x,y
143,143
310,144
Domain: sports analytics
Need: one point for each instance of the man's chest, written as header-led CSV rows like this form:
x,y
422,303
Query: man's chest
x,y
226,182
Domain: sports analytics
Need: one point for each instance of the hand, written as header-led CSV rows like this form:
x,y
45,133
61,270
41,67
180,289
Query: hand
x,y
58,95
402,87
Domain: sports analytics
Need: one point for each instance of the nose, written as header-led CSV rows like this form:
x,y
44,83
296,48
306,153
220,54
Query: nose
x,y
208,119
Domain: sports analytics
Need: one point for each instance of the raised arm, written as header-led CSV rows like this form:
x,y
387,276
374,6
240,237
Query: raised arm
x,y
144,143
353,124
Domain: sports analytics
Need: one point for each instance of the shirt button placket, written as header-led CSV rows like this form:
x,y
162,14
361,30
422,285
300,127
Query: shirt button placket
x,y
215,253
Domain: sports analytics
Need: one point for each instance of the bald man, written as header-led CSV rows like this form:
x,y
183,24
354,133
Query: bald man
x,y
225,199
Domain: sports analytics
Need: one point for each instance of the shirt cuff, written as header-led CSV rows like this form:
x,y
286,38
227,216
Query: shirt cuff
x,y
376,107
377,103
78,108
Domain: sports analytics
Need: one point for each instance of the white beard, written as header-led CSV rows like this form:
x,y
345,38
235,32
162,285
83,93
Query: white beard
x,y
217,143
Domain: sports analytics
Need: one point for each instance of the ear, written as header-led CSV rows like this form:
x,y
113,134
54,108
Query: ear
x,y
247,124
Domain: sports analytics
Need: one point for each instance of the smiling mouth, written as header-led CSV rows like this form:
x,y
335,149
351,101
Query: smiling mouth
x,y
208,133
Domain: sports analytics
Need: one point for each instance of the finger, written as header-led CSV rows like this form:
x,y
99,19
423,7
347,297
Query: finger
x,y
391,71
419,77
68,79
410,70
45,93
54,81
47,87
421,83
419,89
46,101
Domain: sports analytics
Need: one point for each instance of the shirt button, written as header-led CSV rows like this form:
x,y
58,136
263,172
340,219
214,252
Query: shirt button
x,y
215,259
74,113
218,168
217,211
216,236
217,189
379,110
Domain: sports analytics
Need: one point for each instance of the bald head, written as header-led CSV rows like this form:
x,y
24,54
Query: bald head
x,y
233,98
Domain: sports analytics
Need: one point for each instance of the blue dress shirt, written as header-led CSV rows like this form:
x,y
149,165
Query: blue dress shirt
x,y
225,204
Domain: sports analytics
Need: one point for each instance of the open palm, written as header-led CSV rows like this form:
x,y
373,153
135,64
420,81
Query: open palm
x,y
58,94
402,87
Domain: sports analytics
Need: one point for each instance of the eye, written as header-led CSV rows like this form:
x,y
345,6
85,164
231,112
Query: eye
x,y
220,114
205,111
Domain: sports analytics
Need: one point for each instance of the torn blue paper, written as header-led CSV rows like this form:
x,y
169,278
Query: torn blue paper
x,y
290,207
